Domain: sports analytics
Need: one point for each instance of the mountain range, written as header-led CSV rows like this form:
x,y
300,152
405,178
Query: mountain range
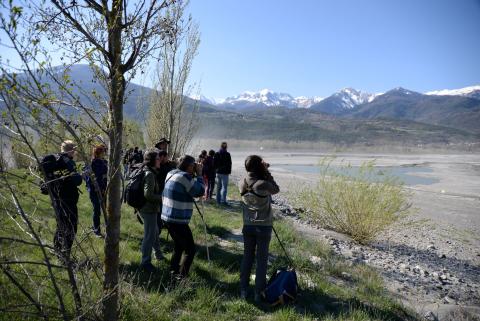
x,y
345,98
459,108
350,116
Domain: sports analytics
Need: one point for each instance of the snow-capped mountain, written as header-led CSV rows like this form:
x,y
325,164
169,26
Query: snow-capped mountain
x,y
211,101
343,100
264,97
339,102
351,97
307,102
471,91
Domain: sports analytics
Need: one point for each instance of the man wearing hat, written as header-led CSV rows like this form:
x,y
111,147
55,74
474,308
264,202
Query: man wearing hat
x,y
163,144
65,198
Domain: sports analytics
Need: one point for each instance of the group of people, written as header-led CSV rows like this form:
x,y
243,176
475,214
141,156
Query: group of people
x,y
169,189
217,166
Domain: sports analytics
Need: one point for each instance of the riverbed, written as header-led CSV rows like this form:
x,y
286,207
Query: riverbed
x,y
445,191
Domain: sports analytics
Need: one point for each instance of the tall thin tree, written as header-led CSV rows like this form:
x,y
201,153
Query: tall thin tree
x,y
116,38
170,113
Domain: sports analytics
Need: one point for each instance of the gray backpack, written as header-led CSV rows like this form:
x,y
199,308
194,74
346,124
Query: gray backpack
x,y
256,207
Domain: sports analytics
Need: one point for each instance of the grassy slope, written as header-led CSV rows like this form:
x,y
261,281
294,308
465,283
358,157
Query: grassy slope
x,y
211,293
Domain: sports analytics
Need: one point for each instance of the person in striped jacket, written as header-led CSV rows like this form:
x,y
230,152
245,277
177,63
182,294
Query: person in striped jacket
x,y
181,186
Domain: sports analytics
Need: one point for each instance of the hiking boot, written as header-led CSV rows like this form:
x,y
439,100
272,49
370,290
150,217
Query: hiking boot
x,y
148,267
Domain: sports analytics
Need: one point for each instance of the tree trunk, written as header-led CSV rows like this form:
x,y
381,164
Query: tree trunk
x,y
113,201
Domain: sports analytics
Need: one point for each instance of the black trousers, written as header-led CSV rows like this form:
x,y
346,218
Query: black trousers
x,y
67,220
183,246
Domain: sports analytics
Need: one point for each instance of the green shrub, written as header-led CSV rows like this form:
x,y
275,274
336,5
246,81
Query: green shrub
x,y
360,202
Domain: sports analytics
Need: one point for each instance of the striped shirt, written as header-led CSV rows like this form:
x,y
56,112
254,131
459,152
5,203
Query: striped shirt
x,y
177,201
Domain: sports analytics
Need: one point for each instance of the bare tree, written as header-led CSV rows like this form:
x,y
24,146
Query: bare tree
x,y
116,38
168,114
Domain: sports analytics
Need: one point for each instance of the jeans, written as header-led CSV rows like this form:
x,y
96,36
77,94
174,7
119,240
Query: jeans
x,y
97,210
150,237
159,223
222,185
183,245
67,220
255,238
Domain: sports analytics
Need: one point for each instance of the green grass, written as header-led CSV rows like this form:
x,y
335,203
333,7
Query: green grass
x,y
211,292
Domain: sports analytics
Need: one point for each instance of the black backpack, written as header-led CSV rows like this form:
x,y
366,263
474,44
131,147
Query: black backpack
x,y
133,195
51,167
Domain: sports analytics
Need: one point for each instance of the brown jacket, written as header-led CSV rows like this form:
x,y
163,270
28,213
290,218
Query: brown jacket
x,y
259,205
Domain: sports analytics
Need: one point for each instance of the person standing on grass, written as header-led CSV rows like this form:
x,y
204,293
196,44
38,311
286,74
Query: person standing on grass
x,y
65,198
182,185
209,174
165,168
99,168
223,168
149,212
256,190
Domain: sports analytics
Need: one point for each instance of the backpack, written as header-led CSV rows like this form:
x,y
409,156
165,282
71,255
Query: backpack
x,y
133,194
51,167
256,208
282,288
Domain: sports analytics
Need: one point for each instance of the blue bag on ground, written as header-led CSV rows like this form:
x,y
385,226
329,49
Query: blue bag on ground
x,y
282,287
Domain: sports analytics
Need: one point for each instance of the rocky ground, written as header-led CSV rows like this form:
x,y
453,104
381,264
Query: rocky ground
x,y
424,278
430,261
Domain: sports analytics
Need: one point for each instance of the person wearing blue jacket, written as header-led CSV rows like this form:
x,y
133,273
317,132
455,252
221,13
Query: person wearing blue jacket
x,y
182,185
99,168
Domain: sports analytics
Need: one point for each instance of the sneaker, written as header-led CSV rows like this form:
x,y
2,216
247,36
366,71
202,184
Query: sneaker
x,y
148,267
97,232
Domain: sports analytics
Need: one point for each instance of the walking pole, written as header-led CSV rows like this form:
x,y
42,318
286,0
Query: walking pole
x,y
204,228
283,248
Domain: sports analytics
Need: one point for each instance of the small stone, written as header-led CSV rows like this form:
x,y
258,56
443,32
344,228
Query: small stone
x,y
443,256
431,247
430,316
346,276
435,275
443,277
449,300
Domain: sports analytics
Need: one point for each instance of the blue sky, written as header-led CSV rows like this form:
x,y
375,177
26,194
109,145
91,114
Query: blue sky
x,y
316,47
